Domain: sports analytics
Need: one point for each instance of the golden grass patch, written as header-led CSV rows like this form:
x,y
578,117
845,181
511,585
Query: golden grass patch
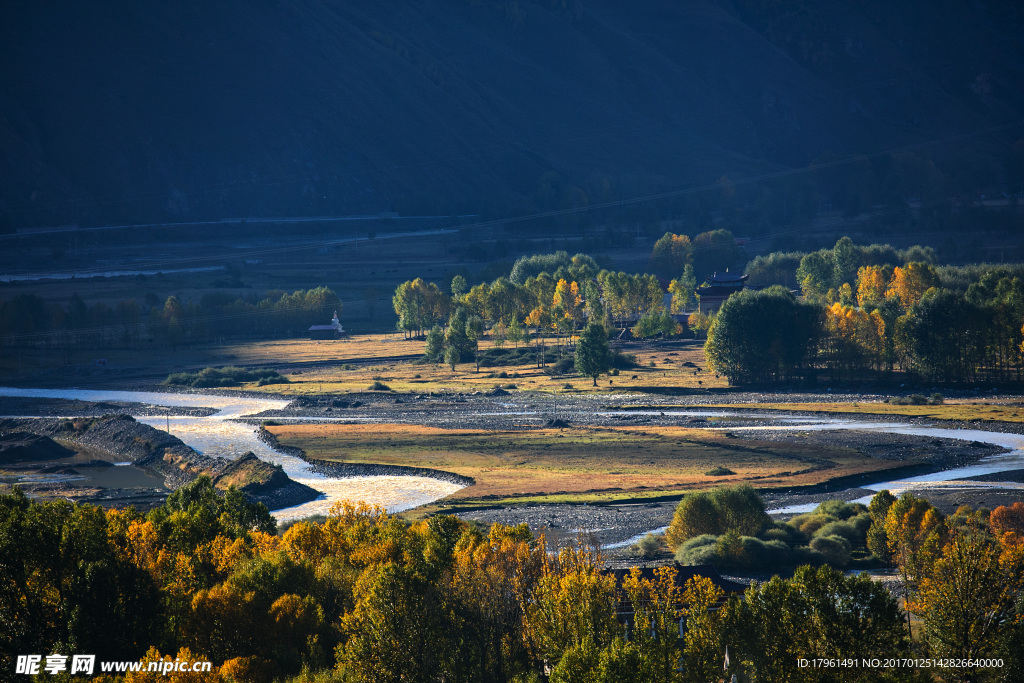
x,y
611,461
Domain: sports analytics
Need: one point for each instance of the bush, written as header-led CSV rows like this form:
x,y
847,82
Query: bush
x,y
834,549
936,399
780,531
524,355
224,377
624,361
719,472
379,386
649,547
724,509
842,529
699,550
565,366
839,509
809,523
912,400
861,523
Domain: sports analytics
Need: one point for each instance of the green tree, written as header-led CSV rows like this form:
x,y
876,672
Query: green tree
x,y
516,333
715,250
682,289
671,254
435,344
763,336
816,274
593,356
459,286
877,540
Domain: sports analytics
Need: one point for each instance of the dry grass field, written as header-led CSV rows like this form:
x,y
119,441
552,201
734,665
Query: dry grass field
x,y
354,364
594,464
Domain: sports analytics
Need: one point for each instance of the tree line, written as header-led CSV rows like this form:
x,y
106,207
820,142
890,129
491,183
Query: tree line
x,y
857,316
364,596
28,320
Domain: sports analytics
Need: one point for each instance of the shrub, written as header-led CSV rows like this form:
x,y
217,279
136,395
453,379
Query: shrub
x,y
624,361
861,523
719,472
842,529
834,549
379,386
936,399
566,366
780,531
912,400
698,554
649,547
809,523
224,377
839,509
733,508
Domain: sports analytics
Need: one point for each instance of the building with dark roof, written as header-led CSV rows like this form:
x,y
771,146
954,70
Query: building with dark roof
x,y
717,288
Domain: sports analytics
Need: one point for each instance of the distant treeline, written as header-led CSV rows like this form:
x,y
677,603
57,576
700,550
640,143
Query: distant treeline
x,y
851,311
861,314
28,320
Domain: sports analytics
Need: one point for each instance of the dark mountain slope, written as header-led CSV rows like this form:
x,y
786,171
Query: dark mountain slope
x,y
138,111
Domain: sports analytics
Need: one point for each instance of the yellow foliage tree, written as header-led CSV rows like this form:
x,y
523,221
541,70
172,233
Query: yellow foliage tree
x,y
168,666
572,603
872,283
968,595
910,282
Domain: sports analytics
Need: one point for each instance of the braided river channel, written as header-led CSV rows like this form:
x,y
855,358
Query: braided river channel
x,y
229,432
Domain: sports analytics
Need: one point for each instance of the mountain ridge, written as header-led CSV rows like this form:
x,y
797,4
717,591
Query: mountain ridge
x,y
162,111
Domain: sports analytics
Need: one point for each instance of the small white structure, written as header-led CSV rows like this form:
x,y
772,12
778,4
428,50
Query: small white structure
x,y
332,331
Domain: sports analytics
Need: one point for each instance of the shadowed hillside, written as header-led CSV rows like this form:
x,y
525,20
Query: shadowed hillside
x,y
160,111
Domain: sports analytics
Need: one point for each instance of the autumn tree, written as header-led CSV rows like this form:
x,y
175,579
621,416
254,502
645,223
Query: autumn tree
x,y
571,603
910,282
682,289
872,284
671,254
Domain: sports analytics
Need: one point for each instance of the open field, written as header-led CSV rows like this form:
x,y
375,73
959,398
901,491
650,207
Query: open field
x,y
962,410
592,464
354,364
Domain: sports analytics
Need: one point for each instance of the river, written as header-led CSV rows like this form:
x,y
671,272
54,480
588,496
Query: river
x,y
222,434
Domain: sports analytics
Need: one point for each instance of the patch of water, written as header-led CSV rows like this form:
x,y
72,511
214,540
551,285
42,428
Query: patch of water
x,y
222,435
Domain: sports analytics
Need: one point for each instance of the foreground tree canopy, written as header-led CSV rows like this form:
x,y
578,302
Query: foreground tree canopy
x,y
364,596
